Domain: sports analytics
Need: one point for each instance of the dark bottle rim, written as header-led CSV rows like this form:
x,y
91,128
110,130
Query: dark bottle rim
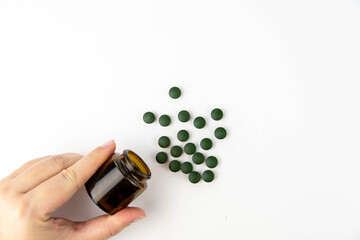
x,y
135,164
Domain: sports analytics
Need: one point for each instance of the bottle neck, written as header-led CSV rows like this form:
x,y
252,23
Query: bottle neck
x,y
131,168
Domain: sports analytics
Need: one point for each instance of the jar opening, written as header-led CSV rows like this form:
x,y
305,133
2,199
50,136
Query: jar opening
x,y
139,164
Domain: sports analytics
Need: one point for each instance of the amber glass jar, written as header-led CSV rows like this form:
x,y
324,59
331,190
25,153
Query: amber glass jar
x,y
118,181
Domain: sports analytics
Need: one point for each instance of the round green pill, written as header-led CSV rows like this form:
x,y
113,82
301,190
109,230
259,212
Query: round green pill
x,y
217,114
149,117
183,135
198,158
211,162
189,148
164,142
208,176
176,151
186,167
175,92
183,116
199,122
220,133
164,120
206,144
194,177
174,166
161,157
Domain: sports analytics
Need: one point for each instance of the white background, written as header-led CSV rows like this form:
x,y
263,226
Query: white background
x,y
75,74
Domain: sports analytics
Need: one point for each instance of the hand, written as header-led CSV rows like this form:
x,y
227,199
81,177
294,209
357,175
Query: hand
x,y
31,193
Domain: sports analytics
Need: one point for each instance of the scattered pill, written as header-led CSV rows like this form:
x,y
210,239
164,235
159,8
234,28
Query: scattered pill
x,y
208,176
176,151
174,166
220,133
199,122
186,167
217,114
194,177
149,117
189,148
175,92
183,135
198,158
183,116
211,162
164,120
164,142
206,144
161,157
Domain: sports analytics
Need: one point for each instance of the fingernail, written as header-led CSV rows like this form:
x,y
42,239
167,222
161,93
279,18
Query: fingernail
x,y
108,143
138,218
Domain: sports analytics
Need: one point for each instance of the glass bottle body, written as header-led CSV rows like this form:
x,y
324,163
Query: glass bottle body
x,y
117,182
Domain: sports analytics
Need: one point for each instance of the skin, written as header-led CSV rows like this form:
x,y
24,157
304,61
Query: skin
x,y
32,192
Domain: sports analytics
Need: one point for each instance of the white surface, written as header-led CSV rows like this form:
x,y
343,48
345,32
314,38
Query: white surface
x,y
77,73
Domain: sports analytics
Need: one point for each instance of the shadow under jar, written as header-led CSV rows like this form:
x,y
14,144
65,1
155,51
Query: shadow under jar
x,y
117,182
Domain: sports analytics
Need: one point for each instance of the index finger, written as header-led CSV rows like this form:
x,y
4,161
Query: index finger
x,y
25,166
55,191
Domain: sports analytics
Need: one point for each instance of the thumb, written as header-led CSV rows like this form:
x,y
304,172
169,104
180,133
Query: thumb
x,y
106,226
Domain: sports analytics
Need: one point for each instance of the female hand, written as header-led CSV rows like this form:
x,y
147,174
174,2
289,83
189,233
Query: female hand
x,y
31,193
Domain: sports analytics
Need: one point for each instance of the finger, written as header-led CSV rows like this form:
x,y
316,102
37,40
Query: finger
x,y
106,226
24,167
43,170
55,191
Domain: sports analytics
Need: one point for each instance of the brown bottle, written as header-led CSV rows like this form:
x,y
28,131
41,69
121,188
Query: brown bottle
x,y
118,181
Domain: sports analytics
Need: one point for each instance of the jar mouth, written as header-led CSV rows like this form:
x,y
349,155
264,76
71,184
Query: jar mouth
x,y
137,163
